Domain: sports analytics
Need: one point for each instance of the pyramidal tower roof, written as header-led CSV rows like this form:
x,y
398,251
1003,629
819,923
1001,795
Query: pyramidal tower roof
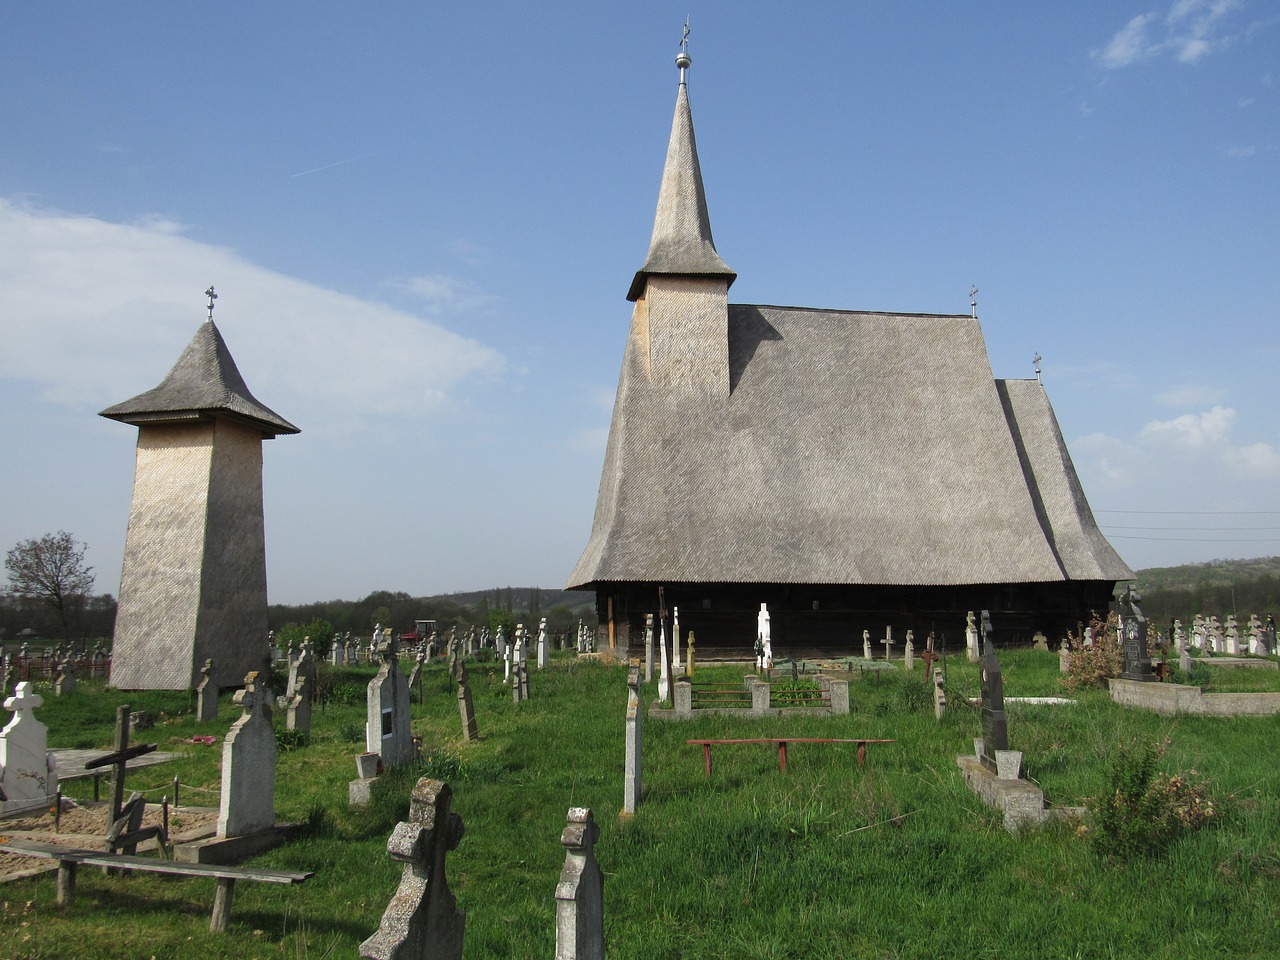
x,y
202,385
681,244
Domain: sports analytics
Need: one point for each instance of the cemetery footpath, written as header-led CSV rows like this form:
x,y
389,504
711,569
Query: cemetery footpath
x,y
898,858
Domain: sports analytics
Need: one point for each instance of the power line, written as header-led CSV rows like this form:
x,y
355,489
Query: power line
x,y
1201,513
1116,526
1122,536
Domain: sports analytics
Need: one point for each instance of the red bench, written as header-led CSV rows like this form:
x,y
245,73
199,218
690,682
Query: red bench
x,y
782,746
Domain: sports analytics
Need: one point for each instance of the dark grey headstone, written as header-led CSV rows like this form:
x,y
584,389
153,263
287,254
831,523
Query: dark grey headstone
x,y
1132,627
995,729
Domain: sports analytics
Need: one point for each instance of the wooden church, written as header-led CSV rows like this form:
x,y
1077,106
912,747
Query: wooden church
x,y
853,470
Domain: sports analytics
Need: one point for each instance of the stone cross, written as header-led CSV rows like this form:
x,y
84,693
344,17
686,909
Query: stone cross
x,y
648,648
689,663
542,644
664,671
206,695
632,776
677,663
386,729
28,771
66,682
909,656
995,732
866,644
1131,629
247,803
298,716
1233,636
422,919
971,638
466,707
764,629
888,642
580,892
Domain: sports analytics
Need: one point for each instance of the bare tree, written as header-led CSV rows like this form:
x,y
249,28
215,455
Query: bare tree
x,y
51,571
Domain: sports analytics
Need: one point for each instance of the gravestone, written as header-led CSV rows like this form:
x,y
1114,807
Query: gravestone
x,y
1233,637
939,694
386,730
690,658
524,679
866,644
909,654
580,892
299,713
1131,626
1040,642
664,671
66,682
995,731
28,771
648,648
971,638
422,920
631,783
543,652
206,695
764,631
1257,646
677,662
1064,657
888,643
466,707
247,804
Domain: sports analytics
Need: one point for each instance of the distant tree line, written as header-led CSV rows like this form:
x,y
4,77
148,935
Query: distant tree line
x,y
1240,595
499,607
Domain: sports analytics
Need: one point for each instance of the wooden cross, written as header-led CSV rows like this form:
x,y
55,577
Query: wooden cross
x,y
119,760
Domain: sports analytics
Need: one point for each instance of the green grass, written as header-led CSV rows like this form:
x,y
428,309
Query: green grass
x,y
896,860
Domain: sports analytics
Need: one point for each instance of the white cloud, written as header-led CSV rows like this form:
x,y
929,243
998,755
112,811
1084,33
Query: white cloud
x,y
1191,431
95,312
1237,153
1261,460
1190,31
1130,44
440,294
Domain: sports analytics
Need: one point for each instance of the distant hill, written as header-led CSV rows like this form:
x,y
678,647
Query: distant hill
x,y
1217,588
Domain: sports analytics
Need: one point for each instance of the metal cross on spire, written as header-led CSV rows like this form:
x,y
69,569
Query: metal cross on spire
x,y
1036,361
682,59
212,297
973,301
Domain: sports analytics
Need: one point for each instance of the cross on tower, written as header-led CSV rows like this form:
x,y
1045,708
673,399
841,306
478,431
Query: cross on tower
x,y
973,301
212,297
683,59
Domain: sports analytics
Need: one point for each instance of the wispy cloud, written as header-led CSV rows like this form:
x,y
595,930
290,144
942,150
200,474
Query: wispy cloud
x,y
1189,31
93,312
340,163
440,293
1239,153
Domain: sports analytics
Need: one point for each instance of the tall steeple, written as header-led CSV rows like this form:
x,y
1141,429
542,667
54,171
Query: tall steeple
x,y
681,244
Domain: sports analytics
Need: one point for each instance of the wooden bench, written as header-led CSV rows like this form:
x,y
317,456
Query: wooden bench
x,y
782,746
71,857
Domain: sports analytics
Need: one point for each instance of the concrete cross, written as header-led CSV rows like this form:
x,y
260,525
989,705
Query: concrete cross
x,y
24,700
255,698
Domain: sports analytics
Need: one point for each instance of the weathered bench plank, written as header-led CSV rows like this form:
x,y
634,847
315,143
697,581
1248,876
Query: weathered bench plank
x,y
782,746
71,857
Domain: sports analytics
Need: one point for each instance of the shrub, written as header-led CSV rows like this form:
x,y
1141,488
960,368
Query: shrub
x,y
1198,676
1142,810
1095,664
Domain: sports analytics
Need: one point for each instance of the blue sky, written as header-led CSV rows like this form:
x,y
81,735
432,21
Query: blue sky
x,y
422,221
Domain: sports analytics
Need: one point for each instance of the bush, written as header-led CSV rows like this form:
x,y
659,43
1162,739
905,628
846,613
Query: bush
x,y
1143,811
1095,664
1198,676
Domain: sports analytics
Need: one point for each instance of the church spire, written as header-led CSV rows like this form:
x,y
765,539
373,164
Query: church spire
x,y
681,244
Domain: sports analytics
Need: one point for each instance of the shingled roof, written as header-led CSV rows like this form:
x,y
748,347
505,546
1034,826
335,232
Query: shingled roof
x,y
853,448
203,384
681,244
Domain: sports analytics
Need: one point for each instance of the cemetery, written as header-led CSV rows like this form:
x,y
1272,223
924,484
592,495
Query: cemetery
x,y
482,795
819,856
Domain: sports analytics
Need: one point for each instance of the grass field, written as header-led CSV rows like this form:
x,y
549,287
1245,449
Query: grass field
x,y
896,860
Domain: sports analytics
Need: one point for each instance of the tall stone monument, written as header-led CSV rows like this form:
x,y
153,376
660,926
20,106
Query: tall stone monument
x,y
1132,628
194,583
